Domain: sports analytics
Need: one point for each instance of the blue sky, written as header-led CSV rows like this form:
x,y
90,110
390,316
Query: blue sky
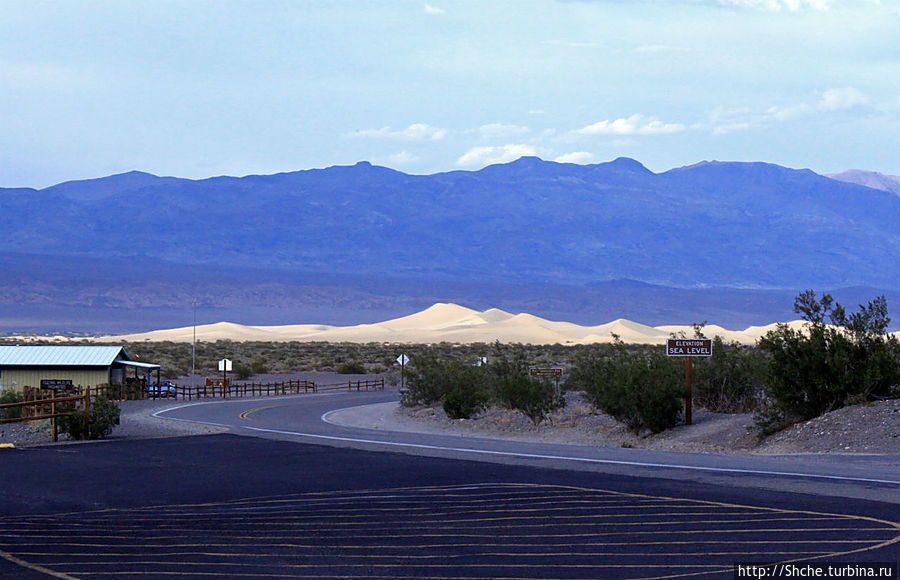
x,y
197,88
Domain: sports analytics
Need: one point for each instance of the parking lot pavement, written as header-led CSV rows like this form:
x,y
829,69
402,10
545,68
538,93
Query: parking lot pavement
x,y
232,506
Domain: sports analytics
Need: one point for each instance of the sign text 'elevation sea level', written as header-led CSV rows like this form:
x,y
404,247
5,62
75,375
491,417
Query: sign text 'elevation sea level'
x,y
689,347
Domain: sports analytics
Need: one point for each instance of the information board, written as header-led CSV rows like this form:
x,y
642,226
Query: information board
x,y
689,347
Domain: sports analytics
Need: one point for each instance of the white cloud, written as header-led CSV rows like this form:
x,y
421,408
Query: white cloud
x,y
402,158
480,156
842,98
772,5
633,125
415,132
434,10
579,157
499,130
722,121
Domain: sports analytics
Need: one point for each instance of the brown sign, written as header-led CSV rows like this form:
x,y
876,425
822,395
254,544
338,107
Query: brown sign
x,y
535,371
56,384
689,347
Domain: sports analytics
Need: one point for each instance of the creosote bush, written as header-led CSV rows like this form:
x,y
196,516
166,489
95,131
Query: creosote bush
x,y
827,366
7,397
351,368
535,398
731,379
643,388
465,389
104,415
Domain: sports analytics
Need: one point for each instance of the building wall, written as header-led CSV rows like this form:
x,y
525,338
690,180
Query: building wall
x,y
15,379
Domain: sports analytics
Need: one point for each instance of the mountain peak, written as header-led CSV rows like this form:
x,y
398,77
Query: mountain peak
x,y
872,179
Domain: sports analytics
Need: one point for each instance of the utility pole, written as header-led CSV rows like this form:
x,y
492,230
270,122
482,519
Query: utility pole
x,y
194,342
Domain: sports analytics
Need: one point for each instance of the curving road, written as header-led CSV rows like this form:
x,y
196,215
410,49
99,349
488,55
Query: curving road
x,y
329,419
295,490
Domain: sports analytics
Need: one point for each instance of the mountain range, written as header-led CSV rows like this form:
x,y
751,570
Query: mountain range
x,y
351,244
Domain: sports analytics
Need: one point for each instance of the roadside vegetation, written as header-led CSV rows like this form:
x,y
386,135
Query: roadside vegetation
x,y
104,416
790,375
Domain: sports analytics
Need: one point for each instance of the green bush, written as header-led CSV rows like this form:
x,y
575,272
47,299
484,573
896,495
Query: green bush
x,y
535,398
351,368
730,380
464,401
642,388
430,378
104,416
825,367
241,371
8,397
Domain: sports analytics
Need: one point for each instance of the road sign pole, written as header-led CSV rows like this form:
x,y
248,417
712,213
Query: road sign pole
x,y
402,359
689,382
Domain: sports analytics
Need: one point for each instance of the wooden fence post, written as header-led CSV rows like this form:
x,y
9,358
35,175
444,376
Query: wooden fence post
x,y
53,421
87,412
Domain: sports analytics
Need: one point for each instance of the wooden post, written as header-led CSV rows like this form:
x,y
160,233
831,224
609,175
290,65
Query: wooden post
x,y
53,421
87,412
689,381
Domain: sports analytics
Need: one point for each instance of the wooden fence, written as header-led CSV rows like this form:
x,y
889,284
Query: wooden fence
x,y
43,405
227,390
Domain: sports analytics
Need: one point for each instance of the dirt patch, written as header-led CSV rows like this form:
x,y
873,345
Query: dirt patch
x,y
865,428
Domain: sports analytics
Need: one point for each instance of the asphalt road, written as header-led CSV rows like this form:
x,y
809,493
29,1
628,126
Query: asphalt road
x,y
302,498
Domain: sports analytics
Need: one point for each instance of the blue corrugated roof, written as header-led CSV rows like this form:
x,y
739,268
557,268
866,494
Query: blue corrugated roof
x,y
74,356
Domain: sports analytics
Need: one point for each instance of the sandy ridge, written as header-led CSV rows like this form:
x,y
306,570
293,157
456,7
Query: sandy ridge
x,y
444,322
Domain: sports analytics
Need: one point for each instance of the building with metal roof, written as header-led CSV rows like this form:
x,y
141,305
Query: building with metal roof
x,y
87,366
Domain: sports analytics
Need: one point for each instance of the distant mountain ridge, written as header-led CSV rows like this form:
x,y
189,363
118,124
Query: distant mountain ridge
x,y
490,237
871,179
723,224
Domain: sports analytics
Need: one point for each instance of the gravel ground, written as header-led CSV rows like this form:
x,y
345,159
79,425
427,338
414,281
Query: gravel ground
x,y
869,428
135,422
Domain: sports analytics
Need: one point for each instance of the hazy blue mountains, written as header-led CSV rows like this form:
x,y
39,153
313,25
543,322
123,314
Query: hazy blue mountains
x,y
501,235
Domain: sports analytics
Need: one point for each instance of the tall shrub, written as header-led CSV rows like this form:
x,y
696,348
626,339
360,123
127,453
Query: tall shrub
x,y
643,388
535,398
826,366
731,379
104,415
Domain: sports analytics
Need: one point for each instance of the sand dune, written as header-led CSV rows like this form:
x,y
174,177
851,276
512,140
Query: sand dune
x,y
451,323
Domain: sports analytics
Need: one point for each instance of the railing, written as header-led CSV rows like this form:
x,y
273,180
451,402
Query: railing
x,y
41,403
42,407
364,385
216,389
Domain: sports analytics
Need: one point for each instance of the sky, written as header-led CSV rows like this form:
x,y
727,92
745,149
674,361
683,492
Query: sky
x,y
199,88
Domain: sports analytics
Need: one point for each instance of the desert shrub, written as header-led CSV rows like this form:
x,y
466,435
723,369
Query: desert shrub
x,y
641,388
430,378
464,401
730,380
352,367
104,415
241,371
535,398
824,367
7,397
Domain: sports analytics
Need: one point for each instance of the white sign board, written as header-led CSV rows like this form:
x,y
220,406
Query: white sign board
x,y
402,359
224,365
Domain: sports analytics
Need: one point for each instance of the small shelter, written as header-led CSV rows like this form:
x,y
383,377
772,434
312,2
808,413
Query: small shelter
x,y
87,366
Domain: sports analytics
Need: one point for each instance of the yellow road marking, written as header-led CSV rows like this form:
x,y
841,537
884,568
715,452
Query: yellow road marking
x,y
246,414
